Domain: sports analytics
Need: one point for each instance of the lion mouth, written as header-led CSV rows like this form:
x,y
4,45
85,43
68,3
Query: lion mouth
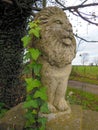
x,y
66,41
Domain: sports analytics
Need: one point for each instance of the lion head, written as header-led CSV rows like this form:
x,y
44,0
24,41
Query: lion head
x,y
57,42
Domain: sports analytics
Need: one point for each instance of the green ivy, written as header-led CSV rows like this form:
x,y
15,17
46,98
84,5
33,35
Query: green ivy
x,y
2,109
36,99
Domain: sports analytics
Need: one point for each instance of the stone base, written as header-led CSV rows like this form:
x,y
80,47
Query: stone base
x,y
14,119
53,116
65,121
76,119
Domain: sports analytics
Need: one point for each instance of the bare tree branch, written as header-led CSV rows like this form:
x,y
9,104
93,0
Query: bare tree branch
x,y
44,3
60,3
88,14
84,39
8,1
84,2
80,6
73,8
86,18
36,9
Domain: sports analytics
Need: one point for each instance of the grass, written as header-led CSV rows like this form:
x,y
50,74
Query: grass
x,y
85,99
88,74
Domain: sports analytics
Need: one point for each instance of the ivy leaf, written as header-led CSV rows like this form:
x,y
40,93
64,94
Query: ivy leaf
x,y
34,29
35,53
28,97
30,119
44,108
36,67
32,84
43,121
31,103
41,93
27,69
35,32
32,24
26,40
34,112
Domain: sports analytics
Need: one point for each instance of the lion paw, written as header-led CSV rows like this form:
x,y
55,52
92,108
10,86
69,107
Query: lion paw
x,y
51,108
61,105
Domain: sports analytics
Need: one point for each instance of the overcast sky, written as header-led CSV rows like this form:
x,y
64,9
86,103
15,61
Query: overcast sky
x,y
86,31
90,48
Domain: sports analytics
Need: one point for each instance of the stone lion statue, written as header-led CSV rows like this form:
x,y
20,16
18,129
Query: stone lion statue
x,y
58,46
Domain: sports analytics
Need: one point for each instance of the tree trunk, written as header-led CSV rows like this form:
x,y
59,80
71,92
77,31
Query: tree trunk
x,y
13,22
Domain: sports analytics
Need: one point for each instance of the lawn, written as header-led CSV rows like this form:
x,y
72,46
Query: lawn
x,y
85,99
88,74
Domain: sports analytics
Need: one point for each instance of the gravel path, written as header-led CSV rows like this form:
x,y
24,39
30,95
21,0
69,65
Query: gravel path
x,y
84,86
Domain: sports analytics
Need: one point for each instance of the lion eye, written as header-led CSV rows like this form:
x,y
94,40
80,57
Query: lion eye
x,y
58,22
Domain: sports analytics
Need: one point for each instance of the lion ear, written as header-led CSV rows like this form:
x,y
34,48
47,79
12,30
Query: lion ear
x,y
42,19
44,22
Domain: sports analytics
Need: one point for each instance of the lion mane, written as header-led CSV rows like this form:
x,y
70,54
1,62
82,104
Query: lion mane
x,y
57,42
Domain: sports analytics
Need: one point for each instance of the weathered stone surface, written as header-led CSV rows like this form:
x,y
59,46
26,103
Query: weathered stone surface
x,y
90,120
78,119
58,114
56,80
67,122
58,45
14,119
57,42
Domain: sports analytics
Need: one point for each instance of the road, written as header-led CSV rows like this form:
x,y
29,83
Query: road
x,y
83,86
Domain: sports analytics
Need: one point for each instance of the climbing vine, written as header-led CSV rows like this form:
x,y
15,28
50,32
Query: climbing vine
x,y
36,98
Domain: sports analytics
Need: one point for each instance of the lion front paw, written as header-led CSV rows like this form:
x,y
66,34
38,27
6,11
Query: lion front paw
x,y
61,105
51,108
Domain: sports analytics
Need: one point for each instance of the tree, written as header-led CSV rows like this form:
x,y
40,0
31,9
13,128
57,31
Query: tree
x,y
95,60
84,57
13,22
14,15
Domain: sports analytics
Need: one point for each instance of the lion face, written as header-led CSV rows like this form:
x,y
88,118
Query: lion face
x,y
57,41
60,28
